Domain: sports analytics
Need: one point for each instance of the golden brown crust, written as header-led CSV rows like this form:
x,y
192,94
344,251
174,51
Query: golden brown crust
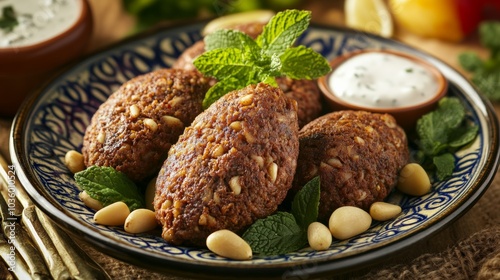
x,y
233,165
356,154
133,130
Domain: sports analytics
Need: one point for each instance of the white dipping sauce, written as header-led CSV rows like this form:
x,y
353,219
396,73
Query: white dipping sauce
x,y
382,80
38,20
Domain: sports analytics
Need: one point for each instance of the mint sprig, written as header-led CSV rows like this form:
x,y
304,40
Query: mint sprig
x,y
305,203
441,133
485,72
236,60
276,234
107,185
285,232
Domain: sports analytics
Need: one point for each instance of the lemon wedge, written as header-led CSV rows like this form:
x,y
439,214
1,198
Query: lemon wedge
x,y
369,15
227,21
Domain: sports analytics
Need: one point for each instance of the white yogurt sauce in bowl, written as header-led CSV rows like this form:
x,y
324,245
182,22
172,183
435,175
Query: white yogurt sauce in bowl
x,y
38,20
37,37
384,81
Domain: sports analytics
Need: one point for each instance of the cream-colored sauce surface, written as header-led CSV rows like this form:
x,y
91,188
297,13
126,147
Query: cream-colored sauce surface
x,y
382,80
38,20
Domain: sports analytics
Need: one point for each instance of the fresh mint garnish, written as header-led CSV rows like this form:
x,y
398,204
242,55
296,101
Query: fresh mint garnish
x,y
485,72
445,164
236,60
276,234
305,203
285,232
441,133
107,185
8,20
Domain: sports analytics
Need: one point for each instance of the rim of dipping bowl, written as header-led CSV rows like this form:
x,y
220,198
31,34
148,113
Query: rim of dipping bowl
x,y
407,115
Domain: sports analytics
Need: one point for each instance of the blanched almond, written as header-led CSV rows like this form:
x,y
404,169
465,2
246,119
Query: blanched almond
x,y
140,220
228,244
112,215
348,221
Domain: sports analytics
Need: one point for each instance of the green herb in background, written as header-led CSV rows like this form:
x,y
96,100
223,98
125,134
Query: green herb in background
x,y
237,60
108,186
285,232
441,133
8,20
150,12
485,73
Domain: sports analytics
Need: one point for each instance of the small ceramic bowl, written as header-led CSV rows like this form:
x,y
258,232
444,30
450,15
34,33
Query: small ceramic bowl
x,y
48,35
384,81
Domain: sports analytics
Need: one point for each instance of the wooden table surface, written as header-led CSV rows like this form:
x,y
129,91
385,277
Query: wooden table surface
x,y
113,24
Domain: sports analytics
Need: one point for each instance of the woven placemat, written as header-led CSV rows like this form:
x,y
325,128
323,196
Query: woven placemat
x,y
477,257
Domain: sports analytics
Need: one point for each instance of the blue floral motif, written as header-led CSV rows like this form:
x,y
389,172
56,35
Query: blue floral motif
x,y
63,110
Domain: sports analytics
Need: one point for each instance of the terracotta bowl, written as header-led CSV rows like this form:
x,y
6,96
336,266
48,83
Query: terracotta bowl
x,y
25,67
405,115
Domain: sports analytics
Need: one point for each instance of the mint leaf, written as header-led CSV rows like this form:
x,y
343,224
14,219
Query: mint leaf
x,y
305,203
303,63
282,31
470,61
276,234
445,164
222,39
220,89
488,82
286,232
435,128
485,73
463,136
223,63
489,33
451,111
107,185
431,137
441,133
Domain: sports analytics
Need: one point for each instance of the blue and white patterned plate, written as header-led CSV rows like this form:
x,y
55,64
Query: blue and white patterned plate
x,y
53,121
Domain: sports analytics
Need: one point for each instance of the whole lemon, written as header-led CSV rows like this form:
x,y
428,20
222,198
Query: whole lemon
x,y
428,18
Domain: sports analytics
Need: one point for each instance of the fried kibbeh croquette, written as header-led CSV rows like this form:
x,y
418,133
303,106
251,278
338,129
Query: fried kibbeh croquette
x,y
232,166
357,155
305,92
134,128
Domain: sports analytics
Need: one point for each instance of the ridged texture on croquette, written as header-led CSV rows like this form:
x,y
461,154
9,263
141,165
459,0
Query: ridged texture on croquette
x,y
232,166
134,128
357,155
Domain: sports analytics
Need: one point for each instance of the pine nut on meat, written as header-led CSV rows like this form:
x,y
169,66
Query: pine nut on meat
x,y
235,185
140,220
74,161
112,215
228,244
